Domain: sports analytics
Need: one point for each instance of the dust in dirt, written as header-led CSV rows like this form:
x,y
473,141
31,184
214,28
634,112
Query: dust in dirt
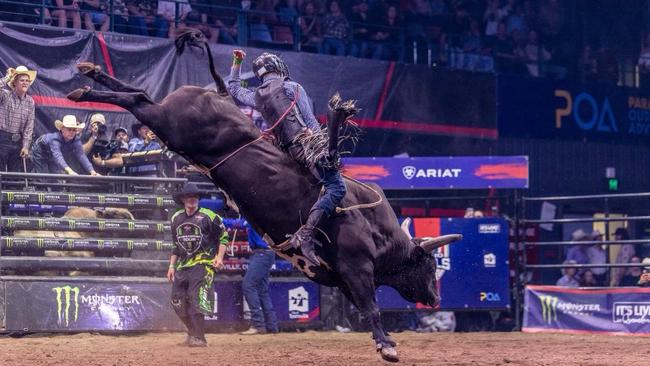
x,y
324,348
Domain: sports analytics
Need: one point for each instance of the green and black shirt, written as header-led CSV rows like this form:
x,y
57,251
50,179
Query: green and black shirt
x,y
197,237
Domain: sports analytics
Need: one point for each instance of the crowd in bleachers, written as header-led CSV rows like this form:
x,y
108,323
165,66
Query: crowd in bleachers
x,y
515,36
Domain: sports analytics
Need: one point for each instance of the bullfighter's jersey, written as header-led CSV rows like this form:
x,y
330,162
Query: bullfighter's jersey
x,y
196,237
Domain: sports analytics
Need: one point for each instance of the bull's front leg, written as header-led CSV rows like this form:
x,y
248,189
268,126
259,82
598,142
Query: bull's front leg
x,y
361,290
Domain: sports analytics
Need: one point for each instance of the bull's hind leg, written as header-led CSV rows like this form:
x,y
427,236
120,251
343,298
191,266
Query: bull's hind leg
x,y
128,101
95,72
361,291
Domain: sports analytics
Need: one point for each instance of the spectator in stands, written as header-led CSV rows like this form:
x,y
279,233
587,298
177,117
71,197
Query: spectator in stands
x,y
143,139
67,9
578,252
607,65
644,62
95,12
336,29
166,18
503,49
140,17
390,34
16,117
310,27
588,66
287,12
95,134
53,151
112,162
200,242
492,18
517,20
364,34
625,253
632,274
597,255
256,285
568,278
588,280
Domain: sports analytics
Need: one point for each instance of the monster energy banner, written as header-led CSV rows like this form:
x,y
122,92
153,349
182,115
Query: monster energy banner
x,y
35,223
576,310
75,306
18,243
90,199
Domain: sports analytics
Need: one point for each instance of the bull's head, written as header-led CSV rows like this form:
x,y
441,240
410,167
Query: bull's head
x,y
417,280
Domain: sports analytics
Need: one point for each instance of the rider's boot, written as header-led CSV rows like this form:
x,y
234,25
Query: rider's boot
x,y
304,237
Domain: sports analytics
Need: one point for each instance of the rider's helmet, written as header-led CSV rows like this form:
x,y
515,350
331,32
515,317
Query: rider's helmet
x,y
268,62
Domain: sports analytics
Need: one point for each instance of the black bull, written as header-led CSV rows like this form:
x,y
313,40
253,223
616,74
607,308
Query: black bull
x,y
368,247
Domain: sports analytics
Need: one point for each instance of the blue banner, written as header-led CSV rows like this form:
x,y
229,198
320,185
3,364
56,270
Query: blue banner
x,y
297,300
465,172
473,273
576,310
547,109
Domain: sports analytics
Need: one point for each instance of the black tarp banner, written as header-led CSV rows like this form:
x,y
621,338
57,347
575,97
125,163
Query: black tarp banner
x,y
393,97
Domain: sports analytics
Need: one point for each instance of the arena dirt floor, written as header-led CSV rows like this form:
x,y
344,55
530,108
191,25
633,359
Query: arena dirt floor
x,y
325,348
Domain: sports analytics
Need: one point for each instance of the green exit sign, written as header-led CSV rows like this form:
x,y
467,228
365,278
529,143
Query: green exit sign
x,y
612,184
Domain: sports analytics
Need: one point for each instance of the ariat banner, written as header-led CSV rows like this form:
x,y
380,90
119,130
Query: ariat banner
x,y
464,172
623,310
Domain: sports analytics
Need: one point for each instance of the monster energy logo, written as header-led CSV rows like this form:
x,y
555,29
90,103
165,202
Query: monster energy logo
x,y
100,244
64,301
10,242
10,223
41,223
71,224
71,198
549,308
131,200
129,244
10,196
159,244
41,197
70,243
102,225
160,227
160,201
40,242
102,199
131,225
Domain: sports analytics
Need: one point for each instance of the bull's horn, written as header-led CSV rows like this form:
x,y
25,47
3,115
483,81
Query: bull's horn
x,y
405,227
429,244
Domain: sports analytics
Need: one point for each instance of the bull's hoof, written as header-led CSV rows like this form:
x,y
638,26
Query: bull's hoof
x,y
88,67
77,94
389,354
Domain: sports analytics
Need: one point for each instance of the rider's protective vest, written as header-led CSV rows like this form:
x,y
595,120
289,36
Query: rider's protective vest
x,y
272,102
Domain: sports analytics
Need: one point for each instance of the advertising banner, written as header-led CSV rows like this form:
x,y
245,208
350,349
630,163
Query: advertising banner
x,y
472,273
463,172
83,305
621,311
541,108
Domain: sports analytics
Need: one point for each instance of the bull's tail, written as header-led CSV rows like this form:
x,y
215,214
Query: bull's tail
x,y
195,38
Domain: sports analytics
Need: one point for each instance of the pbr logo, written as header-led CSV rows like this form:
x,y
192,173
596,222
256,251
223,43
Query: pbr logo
x,y
489,260
409,171
489,228
67,304
631,312
298,303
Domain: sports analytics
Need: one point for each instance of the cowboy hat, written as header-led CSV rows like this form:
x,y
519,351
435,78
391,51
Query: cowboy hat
x,y
69,121
189,189
20,70
99,118
578,235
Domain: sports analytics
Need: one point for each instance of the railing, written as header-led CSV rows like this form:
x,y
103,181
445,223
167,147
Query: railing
x,y
523,267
